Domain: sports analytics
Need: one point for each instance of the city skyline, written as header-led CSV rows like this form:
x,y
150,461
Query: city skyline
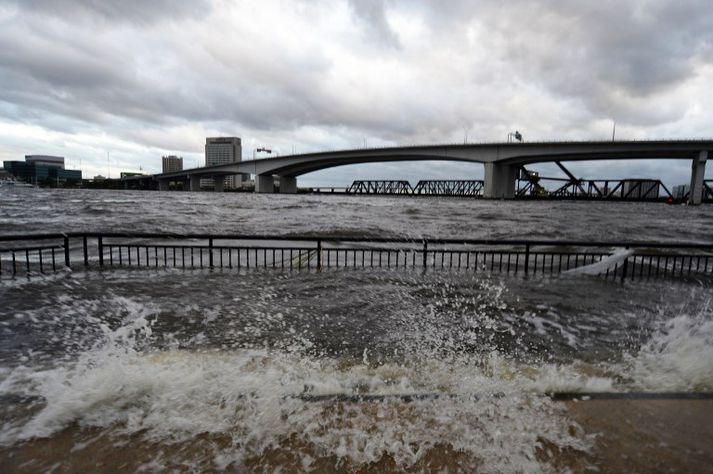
x,y
307,76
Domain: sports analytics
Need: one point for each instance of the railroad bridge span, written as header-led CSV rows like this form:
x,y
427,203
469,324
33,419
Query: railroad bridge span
x,y
502,161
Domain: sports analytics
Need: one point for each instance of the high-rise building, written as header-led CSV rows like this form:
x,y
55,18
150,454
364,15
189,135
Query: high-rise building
x,y
221,151
171,163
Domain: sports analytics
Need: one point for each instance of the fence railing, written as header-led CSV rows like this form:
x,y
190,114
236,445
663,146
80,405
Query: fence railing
x,y
27,255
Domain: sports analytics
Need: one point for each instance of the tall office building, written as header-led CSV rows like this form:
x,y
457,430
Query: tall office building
x,y
171,163
221,151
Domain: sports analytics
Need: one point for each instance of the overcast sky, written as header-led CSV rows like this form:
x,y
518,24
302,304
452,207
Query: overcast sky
x,y
140,79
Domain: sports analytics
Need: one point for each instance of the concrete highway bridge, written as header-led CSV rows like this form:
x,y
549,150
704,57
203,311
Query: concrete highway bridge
x,y
502,162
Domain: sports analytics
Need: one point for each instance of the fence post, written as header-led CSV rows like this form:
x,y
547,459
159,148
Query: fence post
x,y
527,258
86,253
66,252
425,254
210,252
319,254
100,245
625,268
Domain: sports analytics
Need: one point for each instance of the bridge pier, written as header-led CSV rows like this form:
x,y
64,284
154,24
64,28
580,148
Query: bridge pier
x,y
499,181
194,183
698,172
288,185
219,185
264,183
163,184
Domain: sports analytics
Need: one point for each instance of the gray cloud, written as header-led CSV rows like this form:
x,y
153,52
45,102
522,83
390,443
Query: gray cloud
x,y
372,14
615,56
329,74
132,11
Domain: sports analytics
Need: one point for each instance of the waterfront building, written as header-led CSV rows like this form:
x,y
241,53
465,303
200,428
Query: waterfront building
x,y
222,151
171,163
42,169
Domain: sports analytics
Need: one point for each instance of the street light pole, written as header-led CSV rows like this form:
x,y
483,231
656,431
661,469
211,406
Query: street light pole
x,y
516,135
266,150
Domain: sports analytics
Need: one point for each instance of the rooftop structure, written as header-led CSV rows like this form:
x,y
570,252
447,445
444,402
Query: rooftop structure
x,y
46,160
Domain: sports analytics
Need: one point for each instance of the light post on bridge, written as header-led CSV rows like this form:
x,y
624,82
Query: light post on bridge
x,y
516,135
258,150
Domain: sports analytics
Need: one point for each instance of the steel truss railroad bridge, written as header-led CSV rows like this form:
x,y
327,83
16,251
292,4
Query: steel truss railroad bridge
x,y
529,186
441,187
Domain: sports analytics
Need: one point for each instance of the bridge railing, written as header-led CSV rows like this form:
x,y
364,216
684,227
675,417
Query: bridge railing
x,y
327,190
30,255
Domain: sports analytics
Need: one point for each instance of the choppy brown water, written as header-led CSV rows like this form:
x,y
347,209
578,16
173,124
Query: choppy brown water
x,y
223,370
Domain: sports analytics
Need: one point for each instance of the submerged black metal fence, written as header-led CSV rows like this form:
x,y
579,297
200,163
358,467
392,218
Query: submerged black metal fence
x,y
27,255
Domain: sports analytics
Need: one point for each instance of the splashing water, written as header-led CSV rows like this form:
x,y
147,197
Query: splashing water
x,y
679,357
253,374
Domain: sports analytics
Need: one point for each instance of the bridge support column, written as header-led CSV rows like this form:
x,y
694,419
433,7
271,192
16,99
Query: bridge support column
x,y
288,185
195,183
219,186
264,183
163,185
499,181
698,172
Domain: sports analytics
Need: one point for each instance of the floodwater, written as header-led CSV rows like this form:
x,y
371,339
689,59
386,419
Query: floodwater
x,y
351,370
